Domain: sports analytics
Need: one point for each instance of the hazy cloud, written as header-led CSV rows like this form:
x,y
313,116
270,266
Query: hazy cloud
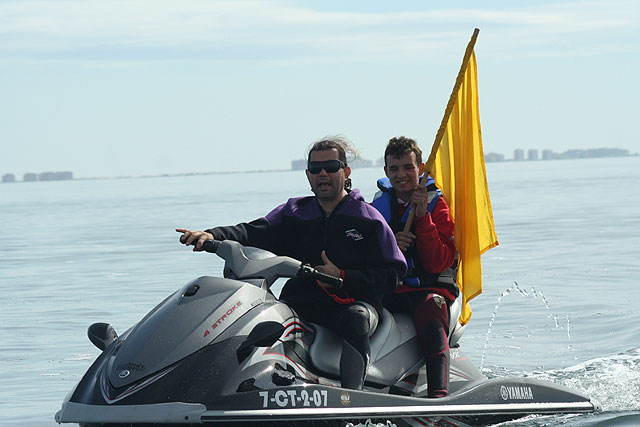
x,y
154,30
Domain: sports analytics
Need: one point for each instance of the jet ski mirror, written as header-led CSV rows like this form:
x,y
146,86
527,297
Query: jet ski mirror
x,y
264,334
101,335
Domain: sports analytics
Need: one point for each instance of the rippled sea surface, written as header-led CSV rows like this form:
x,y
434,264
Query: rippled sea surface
x,y
561,298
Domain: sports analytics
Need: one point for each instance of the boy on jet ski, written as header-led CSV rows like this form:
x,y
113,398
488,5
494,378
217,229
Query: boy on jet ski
x,y
339,234
429,287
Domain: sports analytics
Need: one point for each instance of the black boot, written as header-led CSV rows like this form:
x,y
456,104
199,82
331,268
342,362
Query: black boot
x,y
438,375
353,367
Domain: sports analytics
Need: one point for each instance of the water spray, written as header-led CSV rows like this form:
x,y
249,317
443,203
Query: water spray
x,y
523,293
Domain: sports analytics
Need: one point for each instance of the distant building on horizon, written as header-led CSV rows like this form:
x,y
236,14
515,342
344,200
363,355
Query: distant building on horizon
x,y
361,163
8,177
55,176
297,165
494,157
532,154
547,154
594,153
45,176
518,154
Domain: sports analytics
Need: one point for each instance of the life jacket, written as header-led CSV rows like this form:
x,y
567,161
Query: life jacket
x,y
385,201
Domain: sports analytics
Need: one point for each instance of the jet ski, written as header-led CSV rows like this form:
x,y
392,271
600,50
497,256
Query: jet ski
x,y
225,349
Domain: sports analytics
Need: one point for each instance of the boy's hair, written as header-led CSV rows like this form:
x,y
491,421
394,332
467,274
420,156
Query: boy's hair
x,y
401,145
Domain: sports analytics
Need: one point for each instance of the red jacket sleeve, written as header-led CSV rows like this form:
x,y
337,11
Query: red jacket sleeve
x,y
434,238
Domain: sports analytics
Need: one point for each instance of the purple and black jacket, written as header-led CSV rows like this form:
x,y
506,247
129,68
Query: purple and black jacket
x,y
355,236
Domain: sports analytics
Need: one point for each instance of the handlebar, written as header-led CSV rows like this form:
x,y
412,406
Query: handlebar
x,y
208,246
308,271
211,245
304,270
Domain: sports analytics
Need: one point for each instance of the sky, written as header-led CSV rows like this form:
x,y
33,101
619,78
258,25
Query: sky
x,y
147,87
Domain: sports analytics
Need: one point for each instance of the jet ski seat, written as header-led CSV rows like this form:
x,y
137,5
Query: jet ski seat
x,y
455,328
394,349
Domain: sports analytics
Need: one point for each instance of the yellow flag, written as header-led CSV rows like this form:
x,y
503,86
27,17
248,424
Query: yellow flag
x,y
458,170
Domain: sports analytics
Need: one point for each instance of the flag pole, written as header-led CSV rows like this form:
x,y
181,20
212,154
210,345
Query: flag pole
x,y
447,113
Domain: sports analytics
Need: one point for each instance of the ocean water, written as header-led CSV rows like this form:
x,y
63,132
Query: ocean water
x,y
561,296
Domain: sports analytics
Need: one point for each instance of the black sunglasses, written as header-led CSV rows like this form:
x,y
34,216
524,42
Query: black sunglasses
x,y
330,166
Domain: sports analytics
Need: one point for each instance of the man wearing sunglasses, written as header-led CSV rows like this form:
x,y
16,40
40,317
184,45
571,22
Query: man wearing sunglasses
x,y
339,234
429,286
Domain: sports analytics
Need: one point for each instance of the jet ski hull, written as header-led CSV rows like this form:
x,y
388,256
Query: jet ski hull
x,y
222,350
478,404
